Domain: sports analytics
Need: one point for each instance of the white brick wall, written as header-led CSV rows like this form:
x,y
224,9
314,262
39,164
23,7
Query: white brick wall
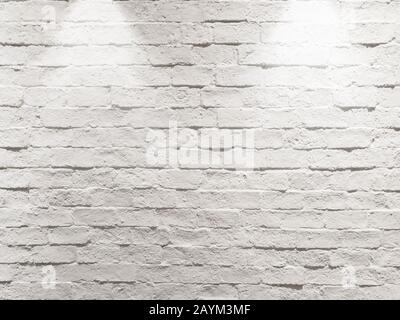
x,y
98,200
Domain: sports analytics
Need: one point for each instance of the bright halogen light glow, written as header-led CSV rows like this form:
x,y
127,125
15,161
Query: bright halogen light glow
x,y
320,12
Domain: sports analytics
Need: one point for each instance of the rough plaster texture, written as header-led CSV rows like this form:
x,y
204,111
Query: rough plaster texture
x,y
87,87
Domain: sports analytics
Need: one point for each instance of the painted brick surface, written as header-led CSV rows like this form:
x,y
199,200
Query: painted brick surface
x,y
241,149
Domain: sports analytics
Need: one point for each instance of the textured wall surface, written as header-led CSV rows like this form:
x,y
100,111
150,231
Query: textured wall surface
x,y
200,149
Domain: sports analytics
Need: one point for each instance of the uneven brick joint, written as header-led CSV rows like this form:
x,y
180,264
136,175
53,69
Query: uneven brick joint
x,y
112,186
